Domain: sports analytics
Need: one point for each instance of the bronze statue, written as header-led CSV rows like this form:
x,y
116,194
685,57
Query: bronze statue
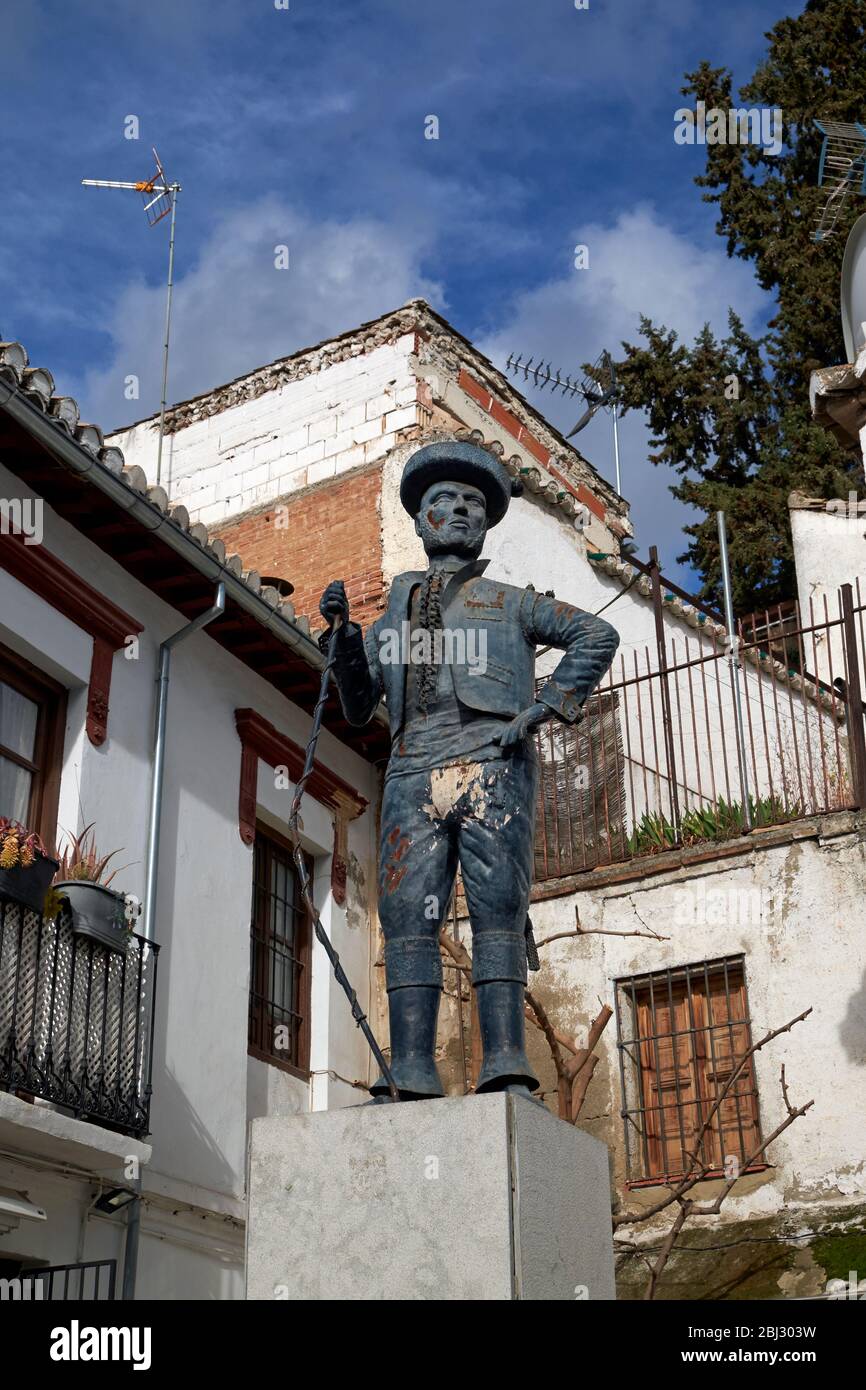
x,y
454,658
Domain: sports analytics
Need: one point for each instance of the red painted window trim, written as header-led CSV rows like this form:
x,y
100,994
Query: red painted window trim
x,y
261,739
69,594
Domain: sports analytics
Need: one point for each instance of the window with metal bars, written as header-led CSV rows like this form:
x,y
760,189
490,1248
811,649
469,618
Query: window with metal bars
x,y
280,946
682,1033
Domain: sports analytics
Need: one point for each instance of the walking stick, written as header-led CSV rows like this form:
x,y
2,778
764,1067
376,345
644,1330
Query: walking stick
x,y
300,863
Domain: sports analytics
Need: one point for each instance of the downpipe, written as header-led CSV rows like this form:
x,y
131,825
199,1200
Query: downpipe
x,y
133,1220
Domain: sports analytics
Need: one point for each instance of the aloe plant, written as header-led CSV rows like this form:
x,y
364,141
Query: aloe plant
x,y
81,860
719,821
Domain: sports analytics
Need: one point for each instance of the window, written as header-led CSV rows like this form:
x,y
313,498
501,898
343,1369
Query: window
x,y
32,713
280,958
681,1034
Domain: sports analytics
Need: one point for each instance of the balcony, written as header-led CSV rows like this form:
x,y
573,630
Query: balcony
x,y
76,1019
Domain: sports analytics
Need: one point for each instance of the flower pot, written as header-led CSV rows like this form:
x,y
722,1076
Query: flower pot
x,y
29,885
97,912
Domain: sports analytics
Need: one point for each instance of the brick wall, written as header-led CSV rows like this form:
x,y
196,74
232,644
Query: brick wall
x,y
331,531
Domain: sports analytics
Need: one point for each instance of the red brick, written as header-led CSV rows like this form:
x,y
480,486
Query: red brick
x,y
330,532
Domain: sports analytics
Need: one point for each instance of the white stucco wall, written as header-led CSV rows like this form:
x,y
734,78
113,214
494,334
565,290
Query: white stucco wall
x,y
795,912
202,1074
829,551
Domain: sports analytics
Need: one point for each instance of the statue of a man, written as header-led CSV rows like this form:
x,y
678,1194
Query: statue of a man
x,y
454,657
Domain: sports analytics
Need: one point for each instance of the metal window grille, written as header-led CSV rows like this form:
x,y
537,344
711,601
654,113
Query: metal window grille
x,y
682,1033
280,943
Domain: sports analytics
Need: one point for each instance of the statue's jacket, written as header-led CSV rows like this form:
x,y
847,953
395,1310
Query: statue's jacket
x,y
514,622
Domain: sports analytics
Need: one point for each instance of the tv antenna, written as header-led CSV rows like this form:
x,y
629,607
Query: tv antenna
x,y
160,200
598,388
842,172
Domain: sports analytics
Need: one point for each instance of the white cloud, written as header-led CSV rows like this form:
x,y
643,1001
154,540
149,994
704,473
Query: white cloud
x,y
638,265
234,311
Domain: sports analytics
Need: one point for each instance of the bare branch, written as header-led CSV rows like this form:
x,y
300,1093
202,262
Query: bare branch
x,y
596,931
456,950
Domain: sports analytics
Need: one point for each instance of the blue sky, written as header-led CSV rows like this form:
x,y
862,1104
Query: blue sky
x,y
306,127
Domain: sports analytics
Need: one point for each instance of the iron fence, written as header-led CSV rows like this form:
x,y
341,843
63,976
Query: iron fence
x,y
76,1018
654,762
90,1281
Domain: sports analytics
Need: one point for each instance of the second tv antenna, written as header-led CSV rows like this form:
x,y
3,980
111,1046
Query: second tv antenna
x,y
598,388
160,200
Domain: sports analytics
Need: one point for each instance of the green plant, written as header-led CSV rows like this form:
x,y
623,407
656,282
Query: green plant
x,y
18,845
81,860
719,821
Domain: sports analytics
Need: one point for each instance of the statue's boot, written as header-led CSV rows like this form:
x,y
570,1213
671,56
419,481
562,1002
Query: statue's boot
x,y
500,1015
413,1011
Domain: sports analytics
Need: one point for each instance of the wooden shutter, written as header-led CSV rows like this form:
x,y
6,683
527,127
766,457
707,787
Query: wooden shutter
x,y
692,1031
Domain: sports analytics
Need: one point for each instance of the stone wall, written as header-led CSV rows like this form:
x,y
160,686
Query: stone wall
x,y
789,902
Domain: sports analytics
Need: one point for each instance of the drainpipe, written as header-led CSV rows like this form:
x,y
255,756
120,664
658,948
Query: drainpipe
x,y
133,1219
159,752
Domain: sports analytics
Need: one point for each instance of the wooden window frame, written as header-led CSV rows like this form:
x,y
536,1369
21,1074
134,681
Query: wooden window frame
x,y
693,1054
258,964
46,766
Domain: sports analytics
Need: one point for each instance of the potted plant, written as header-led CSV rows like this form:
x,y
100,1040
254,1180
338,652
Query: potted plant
x,y
98,911
26,867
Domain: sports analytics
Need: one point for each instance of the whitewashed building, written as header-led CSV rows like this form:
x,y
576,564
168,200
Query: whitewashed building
x,y
288,477
85,1116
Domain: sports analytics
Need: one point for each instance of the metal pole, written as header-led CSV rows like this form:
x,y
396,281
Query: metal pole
x,y
174,192
133,1220
130,1245
616,451
303,875
854,699
155,814
667,718
734,660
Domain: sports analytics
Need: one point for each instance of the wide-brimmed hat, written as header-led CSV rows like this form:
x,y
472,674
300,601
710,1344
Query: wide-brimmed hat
x,y
461,462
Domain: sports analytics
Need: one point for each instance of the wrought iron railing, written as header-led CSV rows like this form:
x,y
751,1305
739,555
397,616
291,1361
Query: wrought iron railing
x,y
655,763
76,1018
91,1281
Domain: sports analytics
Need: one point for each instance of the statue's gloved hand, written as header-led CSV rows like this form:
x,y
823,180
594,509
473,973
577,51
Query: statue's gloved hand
x,y
334,604
523,724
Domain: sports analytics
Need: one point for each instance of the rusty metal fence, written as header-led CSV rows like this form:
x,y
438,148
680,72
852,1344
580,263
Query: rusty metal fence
x,y
654,765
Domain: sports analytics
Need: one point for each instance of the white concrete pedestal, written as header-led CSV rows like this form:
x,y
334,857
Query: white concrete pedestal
x,y
476,1197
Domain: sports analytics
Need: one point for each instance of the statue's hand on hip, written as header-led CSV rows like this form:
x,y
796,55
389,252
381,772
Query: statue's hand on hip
x,y
522,724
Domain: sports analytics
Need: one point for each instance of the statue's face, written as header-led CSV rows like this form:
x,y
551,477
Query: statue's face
x,y
452,519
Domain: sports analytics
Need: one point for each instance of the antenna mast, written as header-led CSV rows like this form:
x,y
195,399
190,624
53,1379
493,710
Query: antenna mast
x,y
160,200
599,389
